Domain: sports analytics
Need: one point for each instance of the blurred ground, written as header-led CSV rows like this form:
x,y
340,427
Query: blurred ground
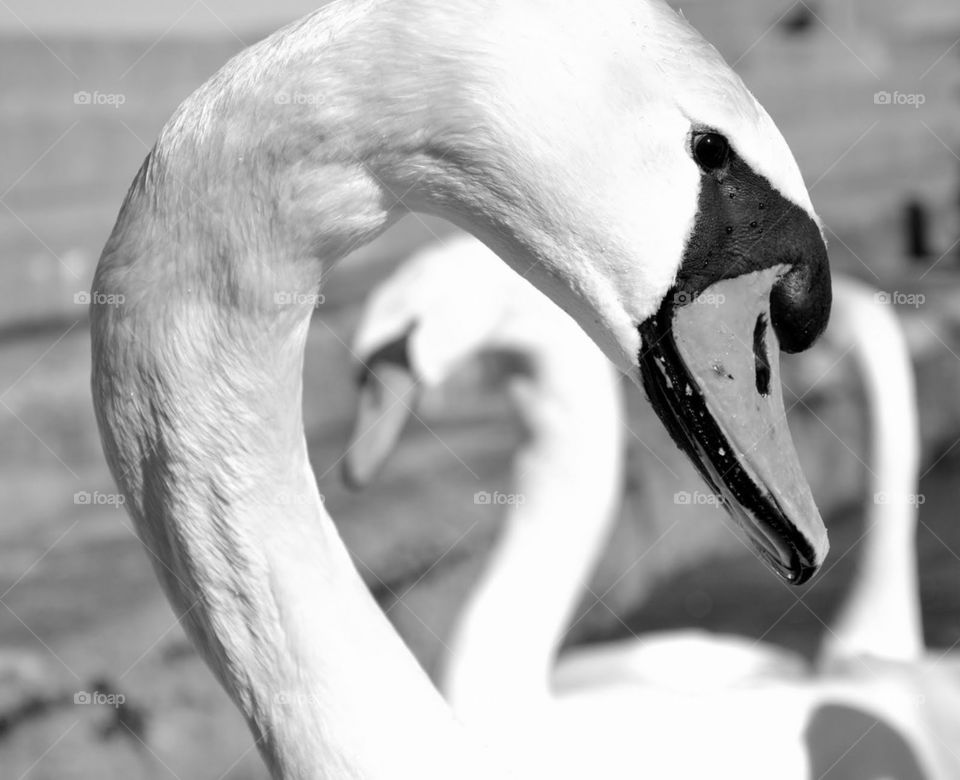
x,y
79,606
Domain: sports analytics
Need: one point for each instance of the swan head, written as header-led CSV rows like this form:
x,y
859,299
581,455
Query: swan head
x,y
605,151
628,172
438,309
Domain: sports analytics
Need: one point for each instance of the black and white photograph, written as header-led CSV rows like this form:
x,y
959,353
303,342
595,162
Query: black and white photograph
x,y
480,389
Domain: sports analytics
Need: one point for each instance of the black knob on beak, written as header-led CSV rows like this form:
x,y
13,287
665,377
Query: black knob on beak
x,y
800,300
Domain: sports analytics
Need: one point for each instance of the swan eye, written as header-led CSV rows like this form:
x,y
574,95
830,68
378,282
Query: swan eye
x,y
710,150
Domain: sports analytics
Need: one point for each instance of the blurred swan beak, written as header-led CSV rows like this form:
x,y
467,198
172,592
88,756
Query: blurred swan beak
x,y
387,392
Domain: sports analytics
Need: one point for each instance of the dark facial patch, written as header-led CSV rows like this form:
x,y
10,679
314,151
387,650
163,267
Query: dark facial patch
x,y
743,224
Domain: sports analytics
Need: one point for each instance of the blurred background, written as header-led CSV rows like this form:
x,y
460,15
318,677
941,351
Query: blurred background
x,y
866,93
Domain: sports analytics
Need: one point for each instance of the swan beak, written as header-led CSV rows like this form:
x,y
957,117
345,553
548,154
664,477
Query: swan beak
x,y
388,391
711,369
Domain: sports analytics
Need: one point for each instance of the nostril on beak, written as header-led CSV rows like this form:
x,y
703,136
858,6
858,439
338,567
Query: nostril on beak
x,y
760,356
800,302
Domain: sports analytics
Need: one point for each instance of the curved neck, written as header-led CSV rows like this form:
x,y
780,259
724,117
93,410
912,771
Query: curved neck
x,y
202,426
881,614
564,500
218,253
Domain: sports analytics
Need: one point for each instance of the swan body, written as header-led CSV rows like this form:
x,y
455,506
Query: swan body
x,y
599,150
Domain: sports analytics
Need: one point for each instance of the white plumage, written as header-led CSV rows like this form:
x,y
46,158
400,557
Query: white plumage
x,y
562,136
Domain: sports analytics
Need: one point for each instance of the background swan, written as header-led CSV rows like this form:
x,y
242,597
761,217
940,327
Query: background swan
x,y
414,334
879,628
457,110
441,307
881,615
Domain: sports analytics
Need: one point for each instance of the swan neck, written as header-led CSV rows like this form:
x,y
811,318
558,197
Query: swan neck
x,y
559,516
881,615
217,258
204,435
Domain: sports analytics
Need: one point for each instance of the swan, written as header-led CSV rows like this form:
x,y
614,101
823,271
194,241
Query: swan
x,y
878,630
439,308
880,616
413,335
607,152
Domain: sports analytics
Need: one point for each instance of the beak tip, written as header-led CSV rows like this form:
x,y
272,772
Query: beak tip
x,y
802,572
780,542
795,571
805,563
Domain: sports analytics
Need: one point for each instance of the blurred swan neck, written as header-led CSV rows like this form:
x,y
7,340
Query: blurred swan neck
x,y
564,503
881,615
